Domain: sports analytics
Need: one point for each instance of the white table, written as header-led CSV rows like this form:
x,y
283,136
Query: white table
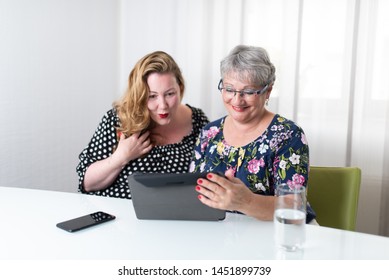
x,y
29,218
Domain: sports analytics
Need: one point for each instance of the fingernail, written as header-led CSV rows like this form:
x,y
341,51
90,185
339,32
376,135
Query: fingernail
x,y
197,188
209,176
199,196
199,181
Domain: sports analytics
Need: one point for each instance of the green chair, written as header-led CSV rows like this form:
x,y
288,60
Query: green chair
x,y
333,193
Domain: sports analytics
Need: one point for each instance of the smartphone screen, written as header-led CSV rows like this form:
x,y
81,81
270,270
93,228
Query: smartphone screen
x,y
85,221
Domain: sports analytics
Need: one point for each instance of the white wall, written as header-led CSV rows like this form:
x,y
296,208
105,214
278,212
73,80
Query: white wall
x,y
58,73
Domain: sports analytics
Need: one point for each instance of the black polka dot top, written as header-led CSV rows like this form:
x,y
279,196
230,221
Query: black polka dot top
x,y
171,158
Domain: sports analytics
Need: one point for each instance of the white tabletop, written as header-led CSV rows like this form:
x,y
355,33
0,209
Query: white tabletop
x,y
29,218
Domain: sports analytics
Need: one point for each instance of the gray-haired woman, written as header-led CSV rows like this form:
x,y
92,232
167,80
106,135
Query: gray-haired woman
x,y
253,147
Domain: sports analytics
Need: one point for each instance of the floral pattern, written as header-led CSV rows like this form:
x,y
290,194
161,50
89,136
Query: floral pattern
x,y
279,155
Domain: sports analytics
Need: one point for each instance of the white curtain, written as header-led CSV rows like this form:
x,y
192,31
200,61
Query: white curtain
x,y
332,76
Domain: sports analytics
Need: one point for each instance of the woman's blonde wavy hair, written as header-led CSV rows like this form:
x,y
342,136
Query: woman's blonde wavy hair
x,y
132,107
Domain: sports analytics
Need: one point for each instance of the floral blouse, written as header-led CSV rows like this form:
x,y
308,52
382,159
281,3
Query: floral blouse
x,y
171,158
279,155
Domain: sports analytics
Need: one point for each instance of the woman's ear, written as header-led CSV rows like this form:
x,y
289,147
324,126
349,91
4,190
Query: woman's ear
x,y
268,92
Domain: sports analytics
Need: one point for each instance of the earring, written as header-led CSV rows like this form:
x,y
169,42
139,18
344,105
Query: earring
x,y
267,102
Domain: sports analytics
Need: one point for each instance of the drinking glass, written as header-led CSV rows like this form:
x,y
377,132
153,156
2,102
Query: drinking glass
x,y
289,216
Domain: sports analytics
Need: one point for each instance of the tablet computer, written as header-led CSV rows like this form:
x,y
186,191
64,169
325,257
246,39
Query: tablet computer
x,y
170,196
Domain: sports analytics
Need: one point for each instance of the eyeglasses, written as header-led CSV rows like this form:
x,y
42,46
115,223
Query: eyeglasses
x,y
248,94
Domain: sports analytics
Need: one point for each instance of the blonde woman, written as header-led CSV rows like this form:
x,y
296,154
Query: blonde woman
x,y
147,130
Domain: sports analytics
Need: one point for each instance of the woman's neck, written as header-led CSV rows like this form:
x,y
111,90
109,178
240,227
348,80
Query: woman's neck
x,y
175,131
240,134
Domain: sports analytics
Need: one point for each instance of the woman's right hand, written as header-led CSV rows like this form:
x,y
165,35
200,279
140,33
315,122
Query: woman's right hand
x,y
132,147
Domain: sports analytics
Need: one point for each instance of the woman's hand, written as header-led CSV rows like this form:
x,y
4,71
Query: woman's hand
x,y
132,147
227,193
103,173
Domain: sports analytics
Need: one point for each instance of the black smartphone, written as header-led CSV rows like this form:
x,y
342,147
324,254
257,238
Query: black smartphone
x,y
85,221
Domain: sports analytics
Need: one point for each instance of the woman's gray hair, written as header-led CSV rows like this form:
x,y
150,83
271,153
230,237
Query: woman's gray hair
x,y
248,63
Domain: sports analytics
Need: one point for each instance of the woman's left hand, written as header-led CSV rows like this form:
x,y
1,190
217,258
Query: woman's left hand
x,y
227,193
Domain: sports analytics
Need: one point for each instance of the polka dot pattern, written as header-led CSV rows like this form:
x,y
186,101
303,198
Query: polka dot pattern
x,y
172,158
